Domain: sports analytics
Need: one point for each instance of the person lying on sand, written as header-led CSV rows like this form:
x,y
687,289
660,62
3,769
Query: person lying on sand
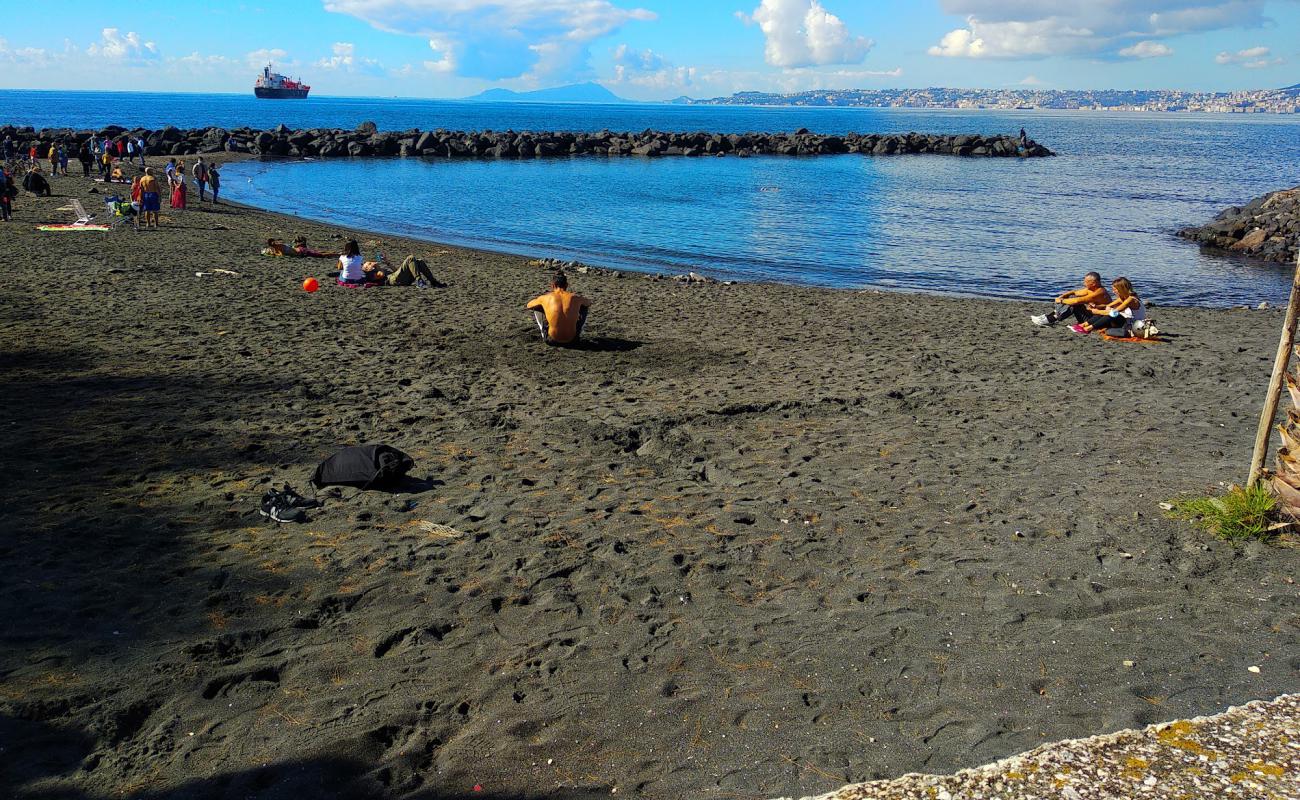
x,y
560,314
413,272
1124,312
1078,303
300,248
356,271
275,247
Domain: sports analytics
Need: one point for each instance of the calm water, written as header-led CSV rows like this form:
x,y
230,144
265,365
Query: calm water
x,y
1008,228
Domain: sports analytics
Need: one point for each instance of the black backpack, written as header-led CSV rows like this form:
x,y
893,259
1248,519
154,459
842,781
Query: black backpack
x,y
367,466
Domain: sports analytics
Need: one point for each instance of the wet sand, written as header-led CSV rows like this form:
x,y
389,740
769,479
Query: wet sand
x,y
753,541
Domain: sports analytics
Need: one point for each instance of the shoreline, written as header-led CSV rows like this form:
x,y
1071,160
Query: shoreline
x,y
749,529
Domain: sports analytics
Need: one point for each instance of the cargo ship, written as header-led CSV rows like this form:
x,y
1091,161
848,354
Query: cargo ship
x,y
274,86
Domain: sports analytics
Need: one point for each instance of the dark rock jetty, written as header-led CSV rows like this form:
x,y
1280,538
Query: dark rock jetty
x,y
1267,228
365,140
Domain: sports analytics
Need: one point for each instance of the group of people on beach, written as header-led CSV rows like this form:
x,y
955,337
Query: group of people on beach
x,y
560,314
1094,309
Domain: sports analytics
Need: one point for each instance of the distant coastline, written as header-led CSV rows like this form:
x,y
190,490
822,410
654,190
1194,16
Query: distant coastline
x,y
1258,101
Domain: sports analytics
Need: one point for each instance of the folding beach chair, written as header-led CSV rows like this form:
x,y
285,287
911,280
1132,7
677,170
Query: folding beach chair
x,y
82,217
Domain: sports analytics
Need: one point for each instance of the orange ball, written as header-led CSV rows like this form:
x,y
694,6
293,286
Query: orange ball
x,y
311,284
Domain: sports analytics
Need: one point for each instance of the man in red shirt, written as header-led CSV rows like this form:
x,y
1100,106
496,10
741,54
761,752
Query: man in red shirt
x,y
560,314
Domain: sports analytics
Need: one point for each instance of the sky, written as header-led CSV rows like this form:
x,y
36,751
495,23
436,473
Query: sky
x,y
651,49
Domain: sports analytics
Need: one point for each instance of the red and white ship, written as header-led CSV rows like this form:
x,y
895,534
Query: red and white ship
x,y
274,86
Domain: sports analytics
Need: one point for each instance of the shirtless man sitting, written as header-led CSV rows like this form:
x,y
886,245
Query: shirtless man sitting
x,y
1081,304
560,314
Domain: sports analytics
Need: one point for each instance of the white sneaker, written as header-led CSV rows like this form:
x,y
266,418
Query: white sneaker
x,y
1041,320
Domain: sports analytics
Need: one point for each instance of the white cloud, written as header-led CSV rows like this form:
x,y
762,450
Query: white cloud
x,y
650,70
802,33
498,39
30,56
1250,58
116,47
345,58
256,59
1147,49
1031,80
1126,28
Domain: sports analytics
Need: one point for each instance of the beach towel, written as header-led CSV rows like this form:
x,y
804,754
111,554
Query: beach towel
x,y
1136,339
366,466
71,227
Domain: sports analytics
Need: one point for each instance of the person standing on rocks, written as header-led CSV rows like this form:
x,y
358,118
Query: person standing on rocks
x,y
1078,303
560,314
8,148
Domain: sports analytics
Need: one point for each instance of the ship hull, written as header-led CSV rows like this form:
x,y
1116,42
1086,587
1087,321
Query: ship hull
x,y
280,94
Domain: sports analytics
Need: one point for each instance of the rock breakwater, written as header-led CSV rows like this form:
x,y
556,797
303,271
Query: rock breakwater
x,y
366,141
1267,228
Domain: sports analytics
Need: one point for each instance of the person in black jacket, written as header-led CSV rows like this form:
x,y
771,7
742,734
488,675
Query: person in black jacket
x,y
7,192
86,159
35,183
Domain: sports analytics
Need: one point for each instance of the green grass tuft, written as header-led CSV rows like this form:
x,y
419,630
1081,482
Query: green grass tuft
x,y
1239,515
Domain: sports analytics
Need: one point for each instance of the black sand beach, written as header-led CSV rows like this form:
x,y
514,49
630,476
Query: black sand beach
x,y
753,541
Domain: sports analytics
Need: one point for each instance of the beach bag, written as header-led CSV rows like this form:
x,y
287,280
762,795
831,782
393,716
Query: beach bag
x,y
1145,329
367,466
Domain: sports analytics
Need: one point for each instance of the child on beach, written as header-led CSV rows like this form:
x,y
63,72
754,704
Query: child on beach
x,y
560,314
1125,312
1078,303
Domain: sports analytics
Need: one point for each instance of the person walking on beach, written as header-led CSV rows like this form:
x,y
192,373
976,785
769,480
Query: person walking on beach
x,y
560,314
63,158
214,181
7,193
139,149
9,148
31,155
130,150
150,201
200,173
1078,303
85,157
53,157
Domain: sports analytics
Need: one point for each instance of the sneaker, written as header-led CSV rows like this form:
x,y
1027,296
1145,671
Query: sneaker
x,y
276,508
296,500
1079,329
1041,320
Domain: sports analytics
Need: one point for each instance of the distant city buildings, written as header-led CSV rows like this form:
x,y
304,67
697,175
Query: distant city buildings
x,y
1263,101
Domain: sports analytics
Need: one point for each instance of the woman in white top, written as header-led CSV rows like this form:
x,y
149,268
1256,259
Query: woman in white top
x,y
1125,311
354,271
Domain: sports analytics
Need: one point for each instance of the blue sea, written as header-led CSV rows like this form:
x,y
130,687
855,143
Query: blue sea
x,y
1111,201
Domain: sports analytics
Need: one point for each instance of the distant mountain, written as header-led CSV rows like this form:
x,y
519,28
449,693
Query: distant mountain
x,y
576,93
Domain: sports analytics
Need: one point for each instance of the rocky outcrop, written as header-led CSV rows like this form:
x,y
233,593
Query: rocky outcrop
x,y
1267,227
366,140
